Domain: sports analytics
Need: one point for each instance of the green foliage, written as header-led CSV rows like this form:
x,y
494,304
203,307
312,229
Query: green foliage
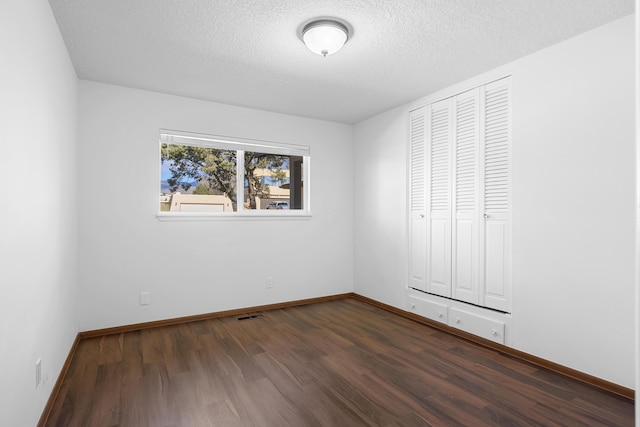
x,y
253,161
203,188
279,176
216,168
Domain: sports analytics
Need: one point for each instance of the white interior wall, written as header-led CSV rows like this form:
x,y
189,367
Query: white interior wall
x,y
380,232
573,202
637,297
574,192
38,113
206,266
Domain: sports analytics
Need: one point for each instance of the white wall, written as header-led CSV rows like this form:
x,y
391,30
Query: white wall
x,y
573,203
637,298
38,113
199,267
380,228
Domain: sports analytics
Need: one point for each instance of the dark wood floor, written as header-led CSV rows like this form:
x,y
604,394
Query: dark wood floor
x,y
338,363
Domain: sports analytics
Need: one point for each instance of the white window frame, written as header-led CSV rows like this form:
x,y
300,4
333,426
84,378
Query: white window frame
x,y
240,145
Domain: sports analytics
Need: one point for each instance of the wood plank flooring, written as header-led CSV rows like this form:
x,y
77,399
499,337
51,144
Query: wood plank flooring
x,y
338,363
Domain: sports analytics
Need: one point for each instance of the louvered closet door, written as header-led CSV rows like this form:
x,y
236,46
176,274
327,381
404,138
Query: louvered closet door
x,y
439,199
466,154
496,201
417,195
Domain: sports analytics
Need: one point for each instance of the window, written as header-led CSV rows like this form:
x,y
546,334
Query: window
x,y
205,175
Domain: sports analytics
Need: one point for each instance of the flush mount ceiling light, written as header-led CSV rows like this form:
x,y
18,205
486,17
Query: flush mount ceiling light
x,y
325,36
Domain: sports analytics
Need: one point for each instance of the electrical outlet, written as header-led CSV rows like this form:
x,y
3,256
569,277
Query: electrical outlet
x,y
38,372
145,298
269,282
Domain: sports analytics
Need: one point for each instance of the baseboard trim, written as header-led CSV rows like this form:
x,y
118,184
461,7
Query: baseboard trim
x,y
591,380
58,385
206,316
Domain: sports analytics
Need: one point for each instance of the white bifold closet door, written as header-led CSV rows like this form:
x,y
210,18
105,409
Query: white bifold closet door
x,y
496,194
417,195
467,200
465,175
439,116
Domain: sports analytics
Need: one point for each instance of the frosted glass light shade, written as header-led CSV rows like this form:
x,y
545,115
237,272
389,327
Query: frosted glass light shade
x,y
325,36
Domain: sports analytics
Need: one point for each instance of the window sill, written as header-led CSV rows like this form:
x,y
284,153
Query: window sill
x,y
233,216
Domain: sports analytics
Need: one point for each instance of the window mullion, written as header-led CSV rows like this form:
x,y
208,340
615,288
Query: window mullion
x,y
240,181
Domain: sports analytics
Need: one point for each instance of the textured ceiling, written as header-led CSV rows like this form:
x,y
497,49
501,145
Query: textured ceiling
x,y
247,52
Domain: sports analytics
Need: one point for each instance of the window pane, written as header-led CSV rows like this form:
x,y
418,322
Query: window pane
x,y
197,179
272,181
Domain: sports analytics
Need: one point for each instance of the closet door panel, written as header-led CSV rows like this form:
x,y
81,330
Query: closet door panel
x,y
496,263
417,194
465,274
496,200
465,196
440,259
439,198
418,252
